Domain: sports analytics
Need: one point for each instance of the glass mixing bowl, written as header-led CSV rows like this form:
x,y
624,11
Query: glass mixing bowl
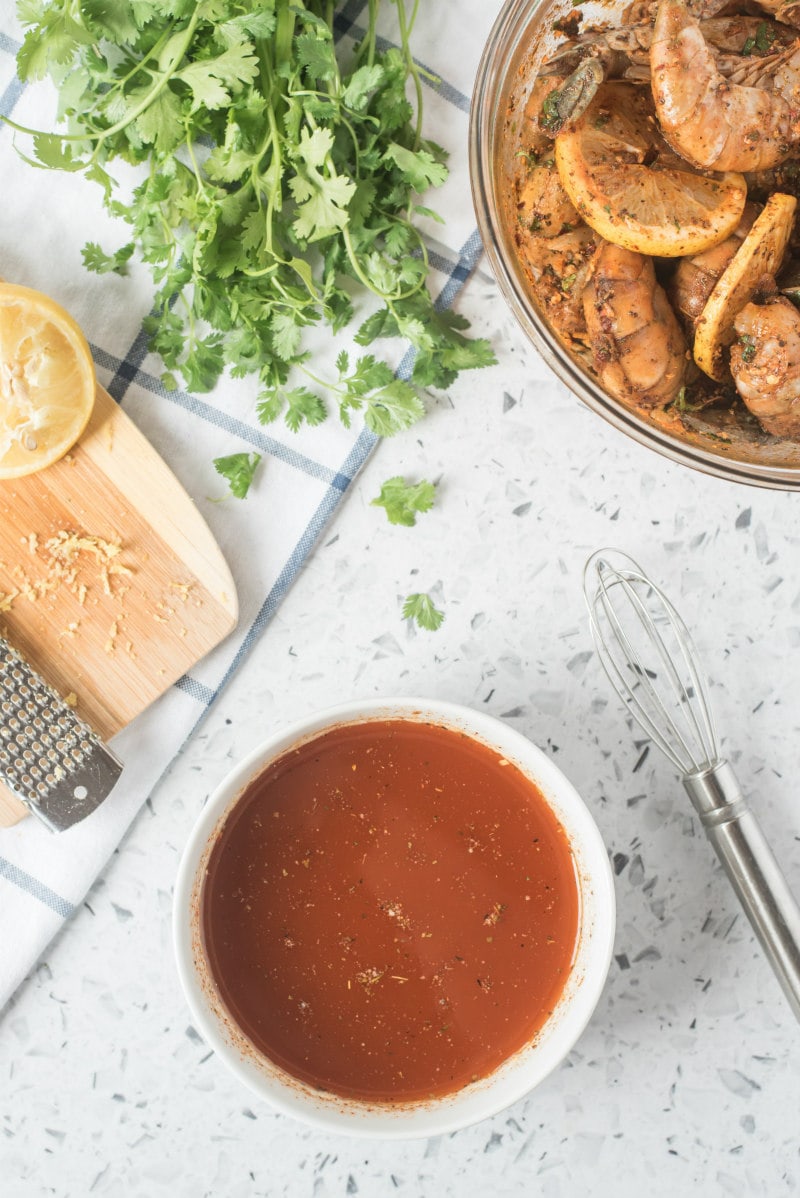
x,y
720,441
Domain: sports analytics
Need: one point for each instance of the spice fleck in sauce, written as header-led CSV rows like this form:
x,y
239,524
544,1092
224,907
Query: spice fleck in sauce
x,y
390,911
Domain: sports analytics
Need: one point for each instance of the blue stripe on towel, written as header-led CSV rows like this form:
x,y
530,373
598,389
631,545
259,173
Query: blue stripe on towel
x,y
197,690
10,96
18,877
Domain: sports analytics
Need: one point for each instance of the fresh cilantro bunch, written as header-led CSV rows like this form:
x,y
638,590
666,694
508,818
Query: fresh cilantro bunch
x,y
277,173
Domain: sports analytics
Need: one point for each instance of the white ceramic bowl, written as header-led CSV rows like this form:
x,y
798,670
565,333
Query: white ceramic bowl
x,y
517,1075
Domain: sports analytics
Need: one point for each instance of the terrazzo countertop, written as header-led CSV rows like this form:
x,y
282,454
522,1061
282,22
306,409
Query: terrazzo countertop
x,y
686,1080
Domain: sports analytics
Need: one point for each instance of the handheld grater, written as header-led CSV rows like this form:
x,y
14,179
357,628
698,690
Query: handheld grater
x,y
49,757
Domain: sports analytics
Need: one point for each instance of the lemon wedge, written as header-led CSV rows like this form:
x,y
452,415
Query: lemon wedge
x,y
760,254
632,189
47,381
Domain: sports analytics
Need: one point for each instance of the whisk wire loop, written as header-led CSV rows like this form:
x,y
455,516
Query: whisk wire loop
x,y
622,684
697,731
679,721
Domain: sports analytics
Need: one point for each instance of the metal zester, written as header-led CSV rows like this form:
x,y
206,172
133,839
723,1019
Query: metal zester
x,y
49,757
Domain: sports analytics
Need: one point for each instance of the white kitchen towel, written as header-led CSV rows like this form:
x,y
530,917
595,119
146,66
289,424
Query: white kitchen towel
x,y
45,219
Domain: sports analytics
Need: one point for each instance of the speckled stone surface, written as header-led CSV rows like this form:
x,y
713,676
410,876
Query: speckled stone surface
x,y
686,1081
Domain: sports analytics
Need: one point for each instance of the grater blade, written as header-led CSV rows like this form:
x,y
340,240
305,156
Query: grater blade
x,y
49,757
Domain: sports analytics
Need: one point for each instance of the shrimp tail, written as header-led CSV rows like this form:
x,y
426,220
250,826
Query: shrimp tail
x,y
570,101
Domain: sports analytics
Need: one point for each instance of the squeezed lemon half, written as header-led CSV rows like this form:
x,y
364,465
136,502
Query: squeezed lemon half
x,y
47,381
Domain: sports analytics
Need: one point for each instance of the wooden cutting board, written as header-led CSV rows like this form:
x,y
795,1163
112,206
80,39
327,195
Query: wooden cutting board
x,y
111,584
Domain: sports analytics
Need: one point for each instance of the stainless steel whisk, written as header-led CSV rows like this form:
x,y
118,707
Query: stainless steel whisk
x,y
650,659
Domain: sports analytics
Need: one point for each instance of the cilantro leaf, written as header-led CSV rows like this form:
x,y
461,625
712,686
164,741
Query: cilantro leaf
x,y
269,407
213,79
361,83
322,198
379,324
316,55
420,608
203,364
419,167
95,259
393,409
52,151
52,42
238,469
160,124
260,24
110,19
303,406
402,501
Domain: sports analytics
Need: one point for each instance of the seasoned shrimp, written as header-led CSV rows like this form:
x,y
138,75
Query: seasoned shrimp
x,y
645,10
743,47
638,346
558,268
713,123
749,51
695,278
765,364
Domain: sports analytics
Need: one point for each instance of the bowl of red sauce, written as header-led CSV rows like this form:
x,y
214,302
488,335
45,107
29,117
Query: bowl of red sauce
x,y
394,919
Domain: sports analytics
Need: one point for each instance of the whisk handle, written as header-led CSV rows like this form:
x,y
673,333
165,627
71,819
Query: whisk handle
x,y
753,871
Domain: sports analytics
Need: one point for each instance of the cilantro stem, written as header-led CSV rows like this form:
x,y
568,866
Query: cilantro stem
x,y
388,296
284,31
154,51
192,158
411,66
369,41
272,138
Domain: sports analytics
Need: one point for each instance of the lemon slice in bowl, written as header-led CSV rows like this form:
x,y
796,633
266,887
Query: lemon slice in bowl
x,y
632,189
761,253
47,381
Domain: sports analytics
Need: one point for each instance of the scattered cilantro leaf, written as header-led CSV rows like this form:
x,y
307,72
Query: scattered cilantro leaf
x,y
238,469
95,259
420,608
402,501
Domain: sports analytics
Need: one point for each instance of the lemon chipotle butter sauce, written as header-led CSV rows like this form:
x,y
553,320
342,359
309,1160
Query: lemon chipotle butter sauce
x,y
390,911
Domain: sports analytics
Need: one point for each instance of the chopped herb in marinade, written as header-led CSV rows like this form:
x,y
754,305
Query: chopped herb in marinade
x,y
748,347
528,156
764,37
550,118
